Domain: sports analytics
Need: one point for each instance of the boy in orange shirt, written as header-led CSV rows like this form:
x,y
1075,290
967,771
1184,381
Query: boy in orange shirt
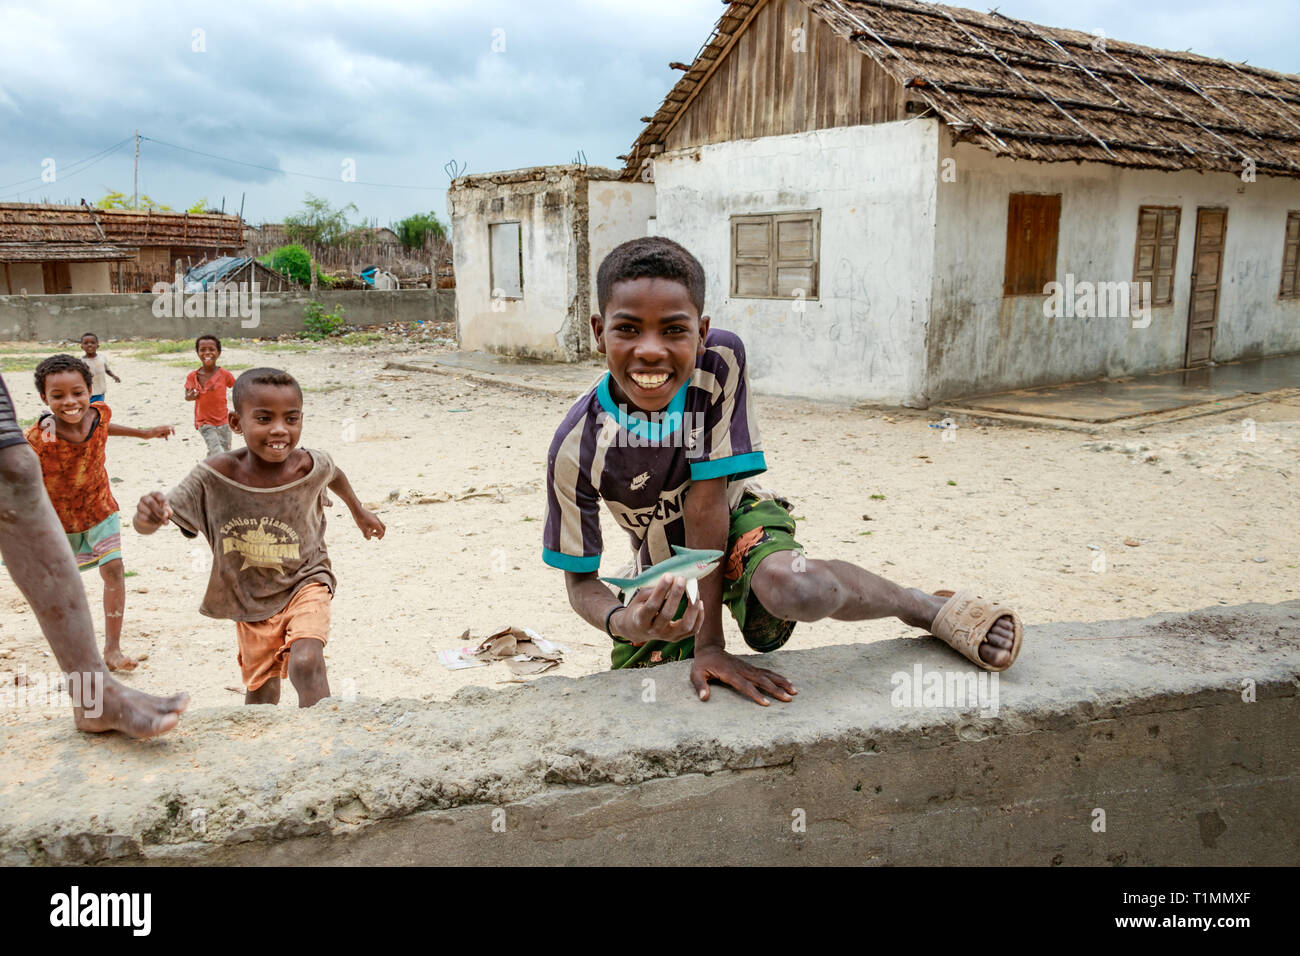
x,y
70,441
206,388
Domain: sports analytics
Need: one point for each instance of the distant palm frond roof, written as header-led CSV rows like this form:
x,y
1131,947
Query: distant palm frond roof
x,y
36,222
1046,94
64,252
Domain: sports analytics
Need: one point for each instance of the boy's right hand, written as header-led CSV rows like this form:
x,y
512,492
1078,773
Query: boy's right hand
x,y
191,394
153,510
649,615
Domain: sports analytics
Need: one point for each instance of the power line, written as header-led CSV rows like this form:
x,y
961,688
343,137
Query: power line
x,y
285,172
102,154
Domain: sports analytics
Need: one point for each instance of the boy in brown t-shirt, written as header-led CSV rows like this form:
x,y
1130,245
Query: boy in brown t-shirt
x,y
261,508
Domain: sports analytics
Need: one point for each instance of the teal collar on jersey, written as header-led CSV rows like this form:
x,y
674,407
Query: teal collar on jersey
x,y
670,422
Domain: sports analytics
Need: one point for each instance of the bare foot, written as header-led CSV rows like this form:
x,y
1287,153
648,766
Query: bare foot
x,y
996,649
117,661
132,712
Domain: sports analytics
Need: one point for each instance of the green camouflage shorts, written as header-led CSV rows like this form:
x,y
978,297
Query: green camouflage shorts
x,y
759,527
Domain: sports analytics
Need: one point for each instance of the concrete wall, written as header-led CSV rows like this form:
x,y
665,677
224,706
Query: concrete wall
x,y
980,341
616,212
58,317
864,337
545,322
1181,728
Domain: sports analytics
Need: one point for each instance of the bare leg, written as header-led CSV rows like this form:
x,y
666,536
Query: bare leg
x,y
35,549
846,592
114,607
307,671
268,693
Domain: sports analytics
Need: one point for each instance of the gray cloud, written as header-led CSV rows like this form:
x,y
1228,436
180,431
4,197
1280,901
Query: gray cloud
x,y
402,88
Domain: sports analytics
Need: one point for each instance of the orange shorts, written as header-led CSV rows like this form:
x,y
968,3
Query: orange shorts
x,y
264,645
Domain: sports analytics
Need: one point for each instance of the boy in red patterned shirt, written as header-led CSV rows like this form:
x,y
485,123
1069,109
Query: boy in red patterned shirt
x,y
70,441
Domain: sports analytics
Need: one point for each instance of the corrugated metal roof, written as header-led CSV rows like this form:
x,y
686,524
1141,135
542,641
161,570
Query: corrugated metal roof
x,y
206,273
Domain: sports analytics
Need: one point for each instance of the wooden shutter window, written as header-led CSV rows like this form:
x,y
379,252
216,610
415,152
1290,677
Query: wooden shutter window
x,y
1291,257
1157,251
775,254
1033,226
751,256
796,254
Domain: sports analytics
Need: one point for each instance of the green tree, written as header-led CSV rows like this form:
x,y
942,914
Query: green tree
x,y
116,200
412,230
199,207
318,222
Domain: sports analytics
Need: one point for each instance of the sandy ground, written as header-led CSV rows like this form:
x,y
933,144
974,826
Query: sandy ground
x,y
1187,515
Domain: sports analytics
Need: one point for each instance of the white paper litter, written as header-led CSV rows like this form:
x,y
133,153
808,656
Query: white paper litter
x,y
460,657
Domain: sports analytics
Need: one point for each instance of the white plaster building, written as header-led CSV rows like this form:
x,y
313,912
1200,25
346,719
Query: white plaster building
x,y
906,202
881,192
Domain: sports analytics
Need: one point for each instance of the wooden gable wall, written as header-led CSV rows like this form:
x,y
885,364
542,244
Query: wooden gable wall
x,y
763,86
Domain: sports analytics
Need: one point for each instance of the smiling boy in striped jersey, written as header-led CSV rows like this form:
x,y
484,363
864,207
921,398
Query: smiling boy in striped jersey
x,y
668,439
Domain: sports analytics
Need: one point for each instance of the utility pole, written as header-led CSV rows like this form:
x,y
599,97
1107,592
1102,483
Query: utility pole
x,y
135,189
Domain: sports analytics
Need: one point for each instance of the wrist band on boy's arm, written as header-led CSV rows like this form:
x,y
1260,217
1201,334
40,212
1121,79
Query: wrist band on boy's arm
x,y
608,618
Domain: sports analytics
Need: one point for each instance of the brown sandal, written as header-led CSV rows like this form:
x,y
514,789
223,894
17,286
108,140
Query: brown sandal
x,y
966,619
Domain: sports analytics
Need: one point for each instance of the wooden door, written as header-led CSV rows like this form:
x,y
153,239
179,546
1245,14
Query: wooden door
x,y
1207,271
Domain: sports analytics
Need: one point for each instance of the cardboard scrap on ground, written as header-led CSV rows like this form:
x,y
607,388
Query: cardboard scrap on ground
x,y
525,652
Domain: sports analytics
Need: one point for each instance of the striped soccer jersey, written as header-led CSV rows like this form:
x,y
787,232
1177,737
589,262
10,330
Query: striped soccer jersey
x,y
642,467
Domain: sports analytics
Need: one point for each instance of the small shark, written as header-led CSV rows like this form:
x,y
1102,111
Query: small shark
x,y
686,563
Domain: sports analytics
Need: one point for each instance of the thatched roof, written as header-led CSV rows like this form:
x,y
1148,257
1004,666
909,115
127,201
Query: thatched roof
x,y
35,222
1044,94
63,252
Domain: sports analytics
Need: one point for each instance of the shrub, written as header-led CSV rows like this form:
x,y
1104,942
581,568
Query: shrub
x,y
292,261
319,324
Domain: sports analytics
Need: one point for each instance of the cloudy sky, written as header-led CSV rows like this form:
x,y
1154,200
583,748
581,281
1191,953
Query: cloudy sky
x,y
300,90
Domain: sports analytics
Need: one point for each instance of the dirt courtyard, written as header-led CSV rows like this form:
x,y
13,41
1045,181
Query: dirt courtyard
x,y
1060,525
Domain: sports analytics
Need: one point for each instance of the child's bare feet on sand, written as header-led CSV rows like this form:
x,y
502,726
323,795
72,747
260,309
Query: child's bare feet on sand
x,y
131,712
117,661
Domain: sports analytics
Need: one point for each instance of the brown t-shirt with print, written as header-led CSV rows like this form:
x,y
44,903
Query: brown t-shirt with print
x,y
266,542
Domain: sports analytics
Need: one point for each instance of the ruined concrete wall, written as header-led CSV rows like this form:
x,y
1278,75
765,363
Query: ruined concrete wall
x,y
863,336
1181,729
130,316
569,218
544,203
980,341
